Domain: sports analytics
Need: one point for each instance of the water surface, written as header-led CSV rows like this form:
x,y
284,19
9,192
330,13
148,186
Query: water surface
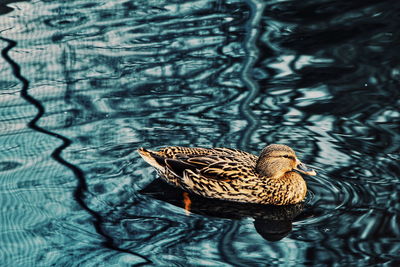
x,y
83,84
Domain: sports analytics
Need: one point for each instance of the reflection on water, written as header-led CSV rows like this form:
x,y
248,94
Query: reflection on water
x,y
85,83
271,222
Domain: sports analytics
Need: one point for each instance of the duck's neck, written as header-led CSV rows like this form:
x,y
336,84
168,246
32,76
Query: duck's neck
x,y
265,171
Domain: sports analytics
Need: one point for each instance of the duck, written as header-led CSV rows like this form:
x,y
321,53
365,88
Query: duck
x,y
272,178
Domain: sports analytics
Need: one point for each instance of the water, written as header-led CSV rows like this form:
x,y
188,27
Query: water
x,y
83,84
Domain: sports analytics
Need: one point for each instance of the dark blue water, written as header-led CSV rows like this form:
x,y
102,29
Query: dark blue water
x,y
84,83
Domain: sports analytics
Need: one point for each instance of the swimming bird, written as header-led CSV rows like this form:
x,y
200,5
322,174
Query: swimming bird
x,y
234,175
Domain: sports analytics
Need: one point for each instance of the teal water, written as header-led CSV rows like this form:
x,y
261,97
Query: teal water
x,y
85,83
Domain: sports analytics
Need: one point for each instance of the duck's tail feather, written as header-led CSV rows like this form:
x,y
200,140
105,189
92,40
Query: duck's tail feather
x,y
152,158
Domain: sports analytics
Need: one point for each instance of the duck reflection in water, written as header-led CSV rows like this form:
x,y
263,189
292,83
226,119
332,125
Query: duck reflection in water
x,y
272,222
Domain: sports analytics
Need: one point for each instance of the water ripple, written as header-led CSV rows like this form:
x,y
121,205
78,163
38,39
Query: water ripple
x,y
56,154
320,76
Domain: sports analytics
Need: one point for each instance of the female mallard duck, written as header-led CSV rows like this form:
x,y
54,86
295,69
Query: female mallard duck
x,y
234,175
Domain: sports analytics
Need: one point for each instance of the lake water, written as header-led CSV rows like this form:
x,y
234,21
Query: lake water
x,y
85,83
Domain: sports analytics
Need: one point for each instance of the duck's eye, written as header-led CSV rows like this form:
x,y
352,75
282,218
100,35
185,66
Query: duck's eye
x,y
286,156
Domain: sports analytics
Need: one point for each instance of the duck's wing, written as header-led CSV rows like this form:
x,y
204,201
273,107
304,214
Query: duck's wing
x,y
226,169
220,164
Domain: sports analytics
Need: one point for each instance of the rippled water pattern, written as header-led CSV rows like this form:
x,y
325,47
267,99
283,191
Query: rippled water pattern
x,y
84,83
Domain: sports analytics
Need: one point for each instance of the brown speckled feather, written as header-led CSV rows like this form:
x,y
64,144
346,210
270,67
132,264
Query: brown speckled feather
x,y
224,173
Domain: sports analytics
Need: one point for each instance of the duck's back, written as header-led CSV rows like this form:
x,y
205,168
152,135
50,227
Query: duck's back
x,y
181,165
176,152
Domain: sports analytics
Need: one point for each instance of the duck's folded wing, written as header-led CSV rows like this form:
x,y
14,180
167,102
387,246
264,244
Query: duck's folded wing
x,y
179,166
182,162
222,168
226,171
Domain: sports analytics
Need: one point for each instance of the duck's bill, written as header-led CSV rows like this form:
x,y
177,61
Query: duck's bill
x,y
301,167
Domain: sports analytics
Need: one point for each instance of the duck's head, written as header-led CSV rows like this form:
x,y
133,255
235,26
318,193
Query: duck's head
x,y
275,160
